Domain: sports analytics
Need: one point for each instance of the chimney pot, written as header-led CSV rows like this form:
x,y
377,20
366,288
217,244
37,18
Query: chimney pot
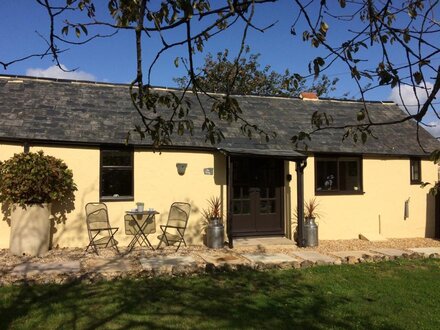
x,y
308,96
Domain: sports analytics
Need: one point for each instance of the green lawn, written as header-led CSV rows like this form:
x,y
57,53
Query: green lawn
x,y
388,295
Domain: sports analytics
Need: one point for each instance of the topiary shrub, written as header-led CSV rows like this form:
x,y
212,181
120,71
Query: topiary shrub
x,y
35,178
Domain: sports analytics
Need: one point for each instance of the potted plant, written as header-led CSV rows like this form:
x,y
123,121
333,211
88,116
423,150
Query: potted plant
x,y
214,220
310,226
213,214
29,183
310,210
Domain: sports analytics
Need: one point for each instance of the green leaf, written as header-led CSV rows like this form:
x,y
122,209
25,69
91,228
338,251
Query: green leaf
x,y
306,35
65,30
364,137
418,77
361,115
77,32
406,36
355,73
84,29
176,62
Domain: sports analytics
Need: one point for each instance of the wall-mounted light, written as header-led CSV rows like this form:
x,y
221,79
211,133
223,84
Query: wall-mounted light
x,y
181,168
289,177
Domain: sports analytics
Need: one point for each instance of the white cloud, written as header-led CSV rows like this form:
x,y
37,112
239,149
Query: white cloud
x,y
409,97
55,72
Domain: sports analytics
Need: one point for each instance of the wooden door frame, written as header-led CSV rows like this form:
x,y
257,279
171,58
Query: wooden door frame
x,y
300,165
280,199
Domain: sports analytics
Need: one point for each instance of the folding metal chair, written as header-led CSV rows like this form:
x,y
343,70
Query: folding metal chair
x,y
101,234
174,231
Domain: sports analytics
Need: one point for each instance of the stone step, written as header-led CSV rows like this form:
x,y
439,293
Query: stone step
x,y
104,266
220,259
356,254
269,259
315,257
390,252
427,251
168,264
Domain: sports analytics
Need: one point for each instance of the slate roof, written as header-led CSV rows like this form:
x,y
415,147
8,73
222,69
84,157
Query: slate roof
x,y
81,112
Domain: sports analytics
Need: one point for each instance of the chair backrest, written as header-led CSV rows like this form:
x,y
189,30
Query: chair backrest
x,y
179,214
96,217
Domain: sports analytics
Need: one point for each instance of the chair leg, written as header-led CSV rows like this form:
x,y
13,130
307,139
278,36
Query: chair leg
x,y
161,238
93,246
161,241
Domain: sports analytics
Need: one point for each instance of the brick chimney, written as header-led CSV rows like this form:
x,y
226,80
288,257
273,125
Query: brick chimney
x,y
308,96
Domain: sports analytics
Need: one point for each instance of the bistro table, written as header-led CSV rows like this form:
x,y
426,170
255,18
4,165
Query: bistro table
x,y
140,224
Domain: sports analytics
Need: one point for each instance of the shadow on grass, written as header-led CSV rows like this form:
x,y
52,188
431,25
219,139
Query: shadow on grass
x,y
245,299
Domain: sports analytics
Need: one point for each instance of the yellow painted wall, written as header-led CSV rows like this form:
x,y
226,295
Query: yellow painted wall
x,y
84,163
156,183
6,152
386,183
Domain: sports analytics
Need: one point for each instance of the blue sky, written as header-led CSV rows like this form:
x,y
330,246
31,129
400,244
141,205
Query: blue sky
x,y
113,59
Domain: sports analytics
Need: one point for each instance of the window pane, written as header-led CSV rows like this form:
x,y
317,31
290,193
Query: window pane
x,y
245,207
267,206
116,158
236,192
116,182
236,207
415,170
349,176
327,175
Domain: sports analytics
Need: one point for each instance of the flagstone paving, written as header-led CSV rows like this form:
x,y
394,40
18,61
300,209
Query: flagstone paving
x,y
220,259
315,257
390,252
269,259
427,251
167,263
194,262
356,254
263,241
108,266
33,268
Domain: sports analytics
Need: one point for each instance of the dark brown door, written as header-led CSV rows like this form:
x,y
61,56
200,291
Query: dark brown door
x,y
257,188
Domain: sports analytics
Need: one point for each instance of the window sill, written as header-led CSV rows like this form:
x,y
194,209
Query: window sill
x,y
416,183
336,193
117,199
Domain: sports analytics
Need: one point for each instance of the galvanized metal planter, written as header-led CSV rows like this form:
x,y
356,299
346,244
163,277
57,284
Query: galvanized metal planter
x,y
310,232
215,234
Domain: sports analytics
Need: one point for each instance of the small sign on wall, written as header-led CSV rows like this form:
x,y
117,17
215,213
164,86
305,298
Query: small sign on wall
x,y
208,171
